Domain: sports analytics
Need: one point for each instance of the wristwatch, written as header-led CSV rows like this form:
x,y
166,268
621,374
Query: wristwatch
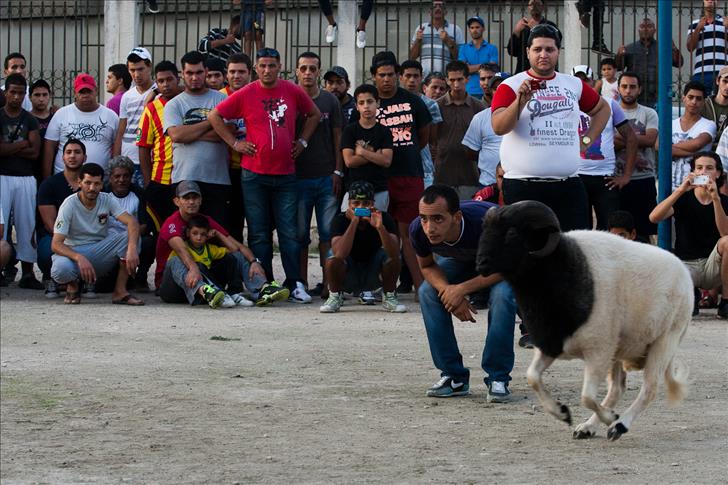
x,y
256,260
339,173
303,142
585,140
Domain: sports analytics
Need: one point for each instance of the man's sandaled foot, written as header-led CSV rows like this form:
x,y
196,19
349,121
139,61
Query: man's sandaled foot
x,y
72,298
128,299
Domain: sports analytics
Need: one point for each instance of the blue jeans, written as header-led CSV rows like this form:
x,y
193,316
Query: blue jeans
x,y
708,79
498,355
315,193
44,256
273,198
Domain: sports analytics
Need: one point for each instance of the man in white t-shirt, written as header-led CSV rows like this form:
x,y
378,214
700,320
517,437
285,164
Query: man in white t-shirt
x,y
436,43
691,133
86,120
538,113
133,101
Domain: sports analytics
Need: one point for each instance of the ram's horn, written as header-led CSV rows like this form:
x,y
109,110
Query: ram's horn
x,y
551,242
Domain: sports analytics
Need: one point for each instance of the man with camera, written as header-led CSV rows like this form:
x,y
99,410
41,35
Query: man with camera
x,y
364,252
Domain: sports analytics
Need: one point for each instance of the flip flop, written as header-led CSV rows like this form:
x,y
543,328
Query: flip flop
x,y
129,299
72,298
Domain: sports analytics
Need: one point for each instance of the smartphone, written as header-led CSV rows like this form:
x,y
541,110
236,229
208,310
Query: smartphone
x,y
536,84
700,180
362,212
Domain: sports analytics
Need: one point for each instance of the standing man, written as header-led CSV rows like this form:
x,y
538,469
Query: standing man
x,y
408,119
436,42
155,147
517,44
118,81
85,120
475,53
708,39
452,165
139,63
40,98
15,64
19,148
319,168
336,81
197,150
716,107
451,230
270,107
216,73
538,113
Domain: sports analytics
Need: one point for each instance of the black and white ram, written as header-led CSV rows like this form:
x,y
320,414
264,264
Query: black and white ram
x,y
616,304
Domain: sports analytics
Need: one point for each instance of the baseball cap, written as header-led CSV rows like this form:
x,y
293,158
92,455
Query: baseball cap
x,y
361,190
584,69
83,81
723,72
337,71
475,19
140,52
188,187
499,76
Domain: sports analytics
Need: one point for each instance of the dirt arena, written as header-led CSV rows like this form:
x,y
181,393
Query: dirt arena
x,y
172,394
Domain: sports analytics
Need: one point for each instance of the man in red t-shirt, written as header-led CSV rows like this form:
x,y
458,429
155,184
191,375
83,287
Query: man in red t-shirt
x,y
269,108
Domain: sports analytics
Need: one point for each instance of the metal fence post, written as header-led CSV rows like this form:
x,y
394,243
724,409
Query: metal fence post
x,y
571,29
346,51
121,31
664,112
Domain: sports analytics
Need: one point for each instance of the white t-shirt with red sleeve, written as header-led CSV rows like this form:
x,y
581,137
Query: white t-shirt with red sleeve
x,y
270,118
545,141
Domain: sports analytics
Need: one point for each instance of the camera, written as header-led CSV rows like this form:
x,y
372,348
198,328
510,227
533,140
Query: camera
x,y
700,180
362,212
536,84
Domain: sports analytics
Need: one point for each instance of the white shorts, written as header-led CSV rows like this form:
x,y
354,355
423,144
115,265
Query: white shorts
x,y
17,199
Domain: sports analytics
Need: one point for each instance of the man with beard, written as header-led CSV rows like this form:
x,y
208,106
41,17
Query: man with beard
x,y
336,81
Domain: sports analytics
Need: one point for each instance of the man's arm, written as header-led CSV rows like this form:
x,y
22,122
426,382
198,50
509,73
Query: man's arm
x,y
8,149
132,230
59,247
630,140
416,47
193,271
188,133
599,117
341,245
504,119
689,147
116,147
145,164
49,155
48,214
694,36
664,209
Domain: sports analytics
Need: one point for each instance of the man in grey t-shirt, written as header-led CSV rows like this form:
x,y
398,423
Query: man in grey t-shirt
x,y
198,152
83,246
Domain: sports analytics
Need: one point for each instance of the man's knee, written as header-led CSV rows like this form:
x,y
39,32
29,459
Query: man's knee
x,y
502,294
427,293
722,245
63,270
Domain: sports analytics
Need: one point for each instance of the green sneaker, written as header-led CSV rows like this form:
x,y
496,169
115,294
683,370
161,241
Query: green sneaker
x,y
391,304
272,292
333,304
213,296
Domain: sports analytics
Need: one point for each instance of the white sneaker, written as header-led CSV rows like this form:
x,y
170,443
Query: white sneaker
x,y
331,32
361,39
391,304
240,300
498,392
333,303
366,298
228,302
299,294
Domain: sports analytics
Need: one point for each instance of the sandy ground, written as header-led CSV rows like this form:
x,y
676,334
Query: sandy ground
x,y
107,394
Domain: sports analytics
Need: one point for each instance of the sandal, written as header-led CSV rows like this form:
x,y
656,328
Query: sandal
x,y
708,301
129,299
72,298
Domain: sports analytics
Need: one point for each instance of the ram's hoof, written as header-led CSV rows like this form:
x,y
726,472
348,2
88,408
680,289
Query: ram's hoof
x,y
615,431
583,434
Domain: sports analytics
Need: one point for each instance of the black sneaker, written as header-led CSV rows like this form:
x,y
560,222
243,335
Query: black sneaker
x,y
29,282
479,301
404,288
696,303
316,290
723,308
601,48
448,387
525,341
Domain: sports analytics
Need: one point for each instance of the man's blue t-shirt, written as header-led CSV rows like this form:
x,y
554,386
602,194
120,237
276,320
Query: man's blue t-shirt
x,y
470,55
466,247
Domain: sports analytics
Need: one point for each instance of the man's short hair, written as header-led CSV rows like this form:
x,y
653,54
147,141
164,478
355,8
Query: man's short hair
x,y
192,57
40,83
435,191
366,88
309,55
74,141
15,79
13,55
608,61
489,66
718,165
697,85
455,66
240,58
629,74
434,75
235,20
383,58
544,30
121,161
165,66
120,71
621,220
410,64
92,169
215,64
198,220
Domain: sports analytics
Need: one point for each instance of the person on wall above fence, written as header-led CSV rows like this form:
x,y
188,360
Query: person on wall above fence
x,y
475,53
253,23
118,81
708,41
222,43
436,43
332,29
84,119
517,43
15,64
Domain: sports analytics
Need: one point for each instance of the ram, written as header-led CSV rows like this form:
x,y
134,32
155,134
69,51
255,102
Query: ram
x,y
593,296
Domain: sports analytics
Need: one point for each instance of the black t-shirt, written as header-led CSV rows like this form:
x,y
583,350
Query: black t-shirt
x,y
13,130
38,163
52,191
377,137
695,231
404,114
318,159
366,241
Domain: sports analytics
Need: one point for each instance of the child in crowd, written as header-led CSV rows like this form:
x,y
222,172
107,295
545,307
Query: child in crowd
x,y
621,223
198,233
607,85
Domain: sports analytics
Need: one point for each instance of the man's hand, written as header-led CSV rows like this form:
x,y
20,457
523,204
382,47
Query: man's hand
x,y
713,190
524,93
443,35
297,149
531,22
520,25
337,185
245,147
623,50
375,219
420,34
230,37
132,262
452,297
256,269
464,312
88,274
617,182
193,276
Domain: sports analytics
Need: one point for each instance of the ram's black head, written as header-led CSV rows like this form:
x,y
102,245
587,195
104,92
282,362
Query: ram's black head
x,y
516,235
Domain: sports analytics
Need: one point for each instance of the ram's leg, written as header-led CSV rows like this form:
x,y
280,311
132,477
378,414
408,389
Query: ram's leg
x,y
616,384
539,364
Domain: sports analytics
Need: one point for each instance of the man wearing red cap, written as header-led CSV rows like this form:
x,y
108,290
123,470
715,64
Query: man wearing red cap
x,y
86,120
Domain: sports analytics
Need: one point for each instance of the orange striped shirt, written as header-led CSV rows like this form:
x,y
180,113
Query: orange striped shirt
x,y
235,157
150,134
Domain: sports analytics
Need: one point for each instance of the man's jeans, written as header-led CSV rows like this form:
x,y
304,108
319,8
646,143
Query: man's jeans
x,y
498,354
103,255
267,198
318,194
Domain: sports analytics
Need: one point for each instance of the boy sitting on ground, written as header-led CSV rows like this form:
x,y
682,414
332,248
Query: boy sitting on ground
x,y
621,223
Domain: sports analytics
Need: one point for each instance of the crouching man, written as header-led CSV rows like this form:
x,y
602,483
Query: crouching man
x,y
450,230
365,252
83,246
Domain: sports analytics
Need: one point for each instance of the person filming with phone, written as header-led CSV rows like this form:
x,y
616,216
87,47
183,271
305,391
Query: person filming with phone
x,y
701,225
364,252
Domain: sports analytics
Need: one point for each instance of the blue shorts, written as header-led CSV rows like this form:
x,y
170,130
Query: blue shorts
x,y
249,16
